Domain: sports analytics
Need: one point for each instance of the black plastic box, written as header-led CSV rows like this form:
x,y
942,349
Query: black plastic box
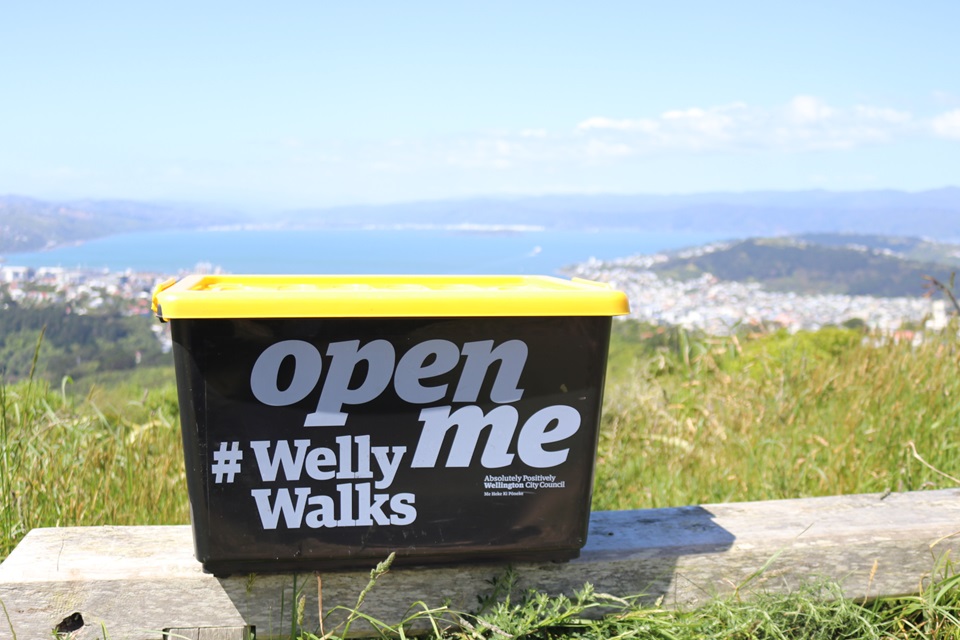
x,y
333,440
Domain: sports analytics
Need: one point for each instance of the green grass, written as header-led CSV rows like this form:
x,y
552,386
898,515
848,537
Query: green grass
x,y
66,461
816,611
687,420
778,416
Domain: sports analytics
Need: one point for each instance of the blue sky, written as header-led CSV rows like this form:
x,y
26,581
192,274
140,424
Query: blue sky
x,y
295,104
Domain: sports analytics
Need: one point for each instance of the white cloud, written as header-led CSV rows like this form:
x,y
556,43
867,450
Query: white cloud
x,y
804,123
600,150
693,128
947,125
702,127
647,126
533,133
808,109
486,153
882,114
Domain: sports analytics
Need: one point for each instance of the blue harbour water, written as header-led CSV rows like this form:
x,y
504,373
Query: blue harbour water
x,y
403,251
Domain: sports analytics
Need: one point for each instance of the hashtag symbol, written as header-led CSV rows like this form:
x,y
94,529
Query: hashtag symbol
x,y
226,462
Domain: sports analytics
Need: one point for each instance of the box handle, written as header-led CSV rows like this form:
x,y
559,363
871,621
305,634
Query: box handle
x,y
166,284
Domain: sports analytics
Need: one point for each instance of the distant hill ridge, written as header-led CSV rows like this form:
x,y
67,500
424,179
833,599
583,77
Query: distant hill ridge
x,y
934,213
861,264
28,224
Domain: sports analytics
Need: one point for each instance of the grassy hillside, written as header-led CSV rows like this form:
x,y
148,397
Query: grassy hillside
x,y
911,248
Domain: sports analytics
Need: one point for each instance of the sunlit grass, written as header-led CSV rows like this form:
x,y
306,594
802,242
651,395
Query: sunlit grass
x,y
815,611
780,418
67,462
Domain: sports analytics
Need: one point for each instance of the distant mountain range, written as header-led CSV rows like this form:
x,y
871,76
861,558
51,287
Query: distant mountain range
x,y
878,243
933,213
28,224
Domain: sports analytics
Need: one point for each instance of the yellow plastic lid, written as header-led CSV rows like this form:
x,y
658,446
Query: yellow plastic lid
x,y
390,296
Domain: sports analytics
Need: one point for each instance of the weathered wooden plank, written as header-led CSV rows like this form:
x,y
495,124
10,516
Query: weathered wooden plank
x,y
138,581
208,633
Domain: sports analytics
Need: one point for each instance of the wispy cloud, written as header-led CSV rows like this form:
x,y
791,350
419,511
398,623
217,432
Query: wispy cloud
x,y
610,124
804,110
947,125
805,123
800,125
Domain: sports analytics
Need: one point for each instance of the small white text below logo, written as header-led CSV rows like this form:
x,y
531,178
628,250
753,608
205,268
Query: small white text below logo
x,y
522,481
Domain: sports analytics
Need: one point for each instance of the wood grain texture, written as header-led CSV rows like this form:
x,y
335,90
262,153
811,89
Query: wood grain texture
x,y
137,581
208,633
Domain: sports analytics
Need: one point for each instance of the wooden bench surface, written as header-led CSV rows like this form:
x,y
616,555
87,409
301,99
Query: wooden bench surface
x,y
139,581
